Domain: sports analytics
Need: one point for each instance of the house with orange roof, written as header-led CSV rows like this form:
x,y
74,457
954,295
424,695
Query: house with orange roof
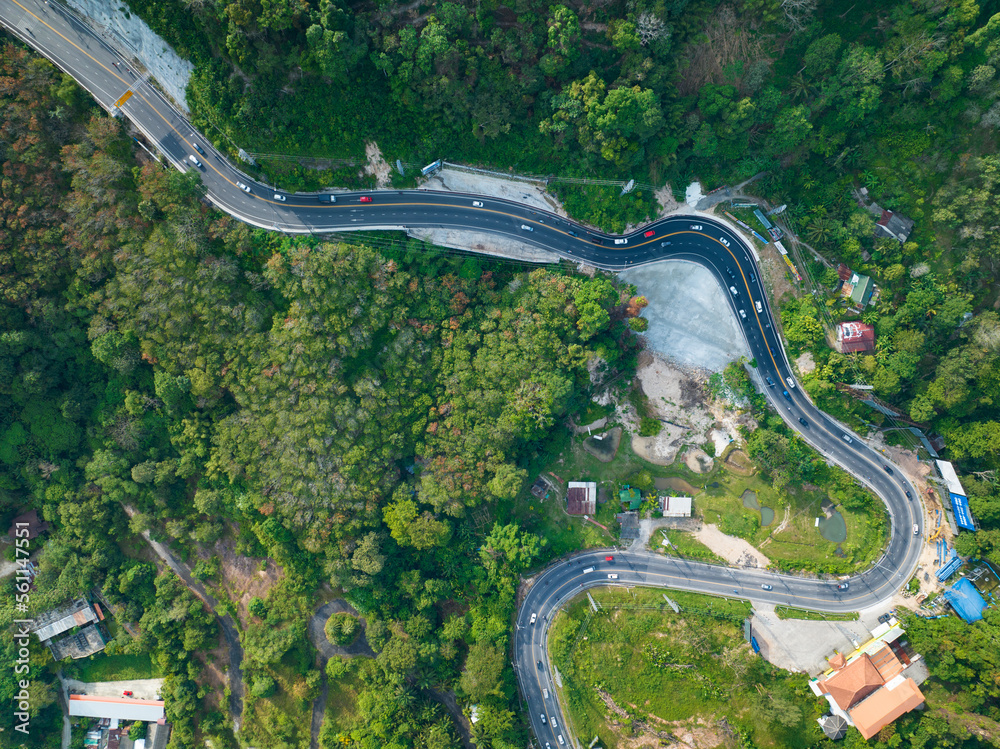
x,y
873,686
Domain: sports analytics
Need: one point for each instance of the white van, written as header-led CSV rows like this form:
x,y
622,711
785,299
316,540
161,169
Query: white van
x,y
194,160
612,577
621,241
589,569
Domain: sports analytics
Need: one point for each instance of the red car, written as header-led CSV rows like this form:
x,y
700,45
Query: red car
x,y
127,693
365,199
609,559
649,233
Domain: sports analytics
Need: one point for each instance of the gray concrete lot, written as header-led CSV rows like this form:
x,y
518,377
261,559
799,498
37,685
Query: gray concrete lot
x,y
800,645
689,316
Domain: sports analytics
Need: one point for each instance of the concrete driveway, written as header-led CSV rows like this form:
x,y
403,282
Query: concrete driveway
x,y
142,689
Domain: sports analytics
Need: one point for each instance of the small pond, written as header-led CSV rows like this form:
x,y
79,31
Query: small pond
x,y
676,485
751,503
833,528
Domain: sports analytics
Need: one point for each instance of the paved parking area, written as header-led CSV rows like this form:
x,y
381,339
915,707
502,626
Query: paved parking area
x,y
799,645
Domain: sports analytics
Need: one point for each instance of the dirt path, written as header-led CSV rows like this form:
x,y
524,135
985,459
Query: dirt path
x,y
781,526
326,650
450,703
226,623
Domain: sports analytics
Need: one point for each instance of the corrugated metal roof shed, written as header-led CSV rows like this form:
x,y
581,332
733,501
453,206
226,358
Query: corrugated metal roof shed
x,y
122,708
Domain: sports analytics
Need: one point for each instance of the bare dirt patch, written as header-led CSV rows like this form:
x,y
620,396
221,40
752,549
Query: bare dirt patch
x,y
242,577
377,166
733,550
805,363
677,399
667,202
775,272
698,460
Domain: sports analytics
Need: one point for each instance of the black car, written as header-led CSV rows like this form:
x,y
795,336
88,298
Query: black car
x,y
539,665
908,495
888,470
803,422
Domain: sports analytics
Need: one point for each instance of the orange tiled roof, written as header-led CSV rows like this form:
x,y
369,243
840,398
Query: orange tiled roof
x,y
853,683
895,699
886,663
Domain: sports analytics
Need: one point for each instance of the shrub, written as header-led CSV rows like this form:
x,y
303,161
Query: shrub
x,y
649,427
342,629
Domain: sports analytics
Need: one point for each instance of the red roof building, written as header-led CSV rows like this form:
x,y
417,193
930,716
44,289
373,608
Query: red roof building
x,y
854,337
581,498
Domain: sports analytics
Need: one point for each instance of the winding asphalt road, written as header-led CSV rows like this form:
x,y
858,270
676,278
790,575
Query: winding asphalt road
x,y
75,48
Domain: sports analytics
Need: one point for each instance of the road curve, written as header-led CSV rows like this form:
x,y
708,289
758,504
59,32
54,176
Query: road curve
x,y
59,35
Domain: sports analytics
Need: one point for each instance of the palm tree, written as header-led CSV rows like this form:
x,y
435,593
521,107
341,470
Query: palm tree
x,y
818,230
799,87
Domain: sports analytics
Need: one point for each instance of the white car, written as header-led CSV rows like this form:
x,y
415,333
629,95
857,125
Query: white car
x,y
533,617
543,719
477,204
743,314
734,291
552,720
525,227
243,187
759,308
916,529
621,241
696,227
282,198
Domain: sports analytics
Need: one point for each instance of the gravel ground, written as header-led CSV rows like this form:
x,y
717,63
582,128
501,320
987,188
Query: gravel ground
x,y
689,316
527,193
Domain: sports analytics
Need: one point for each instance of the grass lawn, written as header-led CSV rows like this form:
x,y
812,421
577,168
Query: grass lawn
x,y
668,670
787,612
341,704
103,667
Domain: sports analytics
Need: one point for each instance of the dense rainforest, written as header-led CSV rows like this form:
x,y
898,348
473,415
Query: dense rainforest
x,y
815,98
342,409
358,411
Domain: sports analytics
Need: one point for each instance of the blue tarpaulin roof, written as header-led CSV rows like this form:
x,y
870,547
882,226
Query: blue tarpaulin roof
x,y
950,567
963,516
966,601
